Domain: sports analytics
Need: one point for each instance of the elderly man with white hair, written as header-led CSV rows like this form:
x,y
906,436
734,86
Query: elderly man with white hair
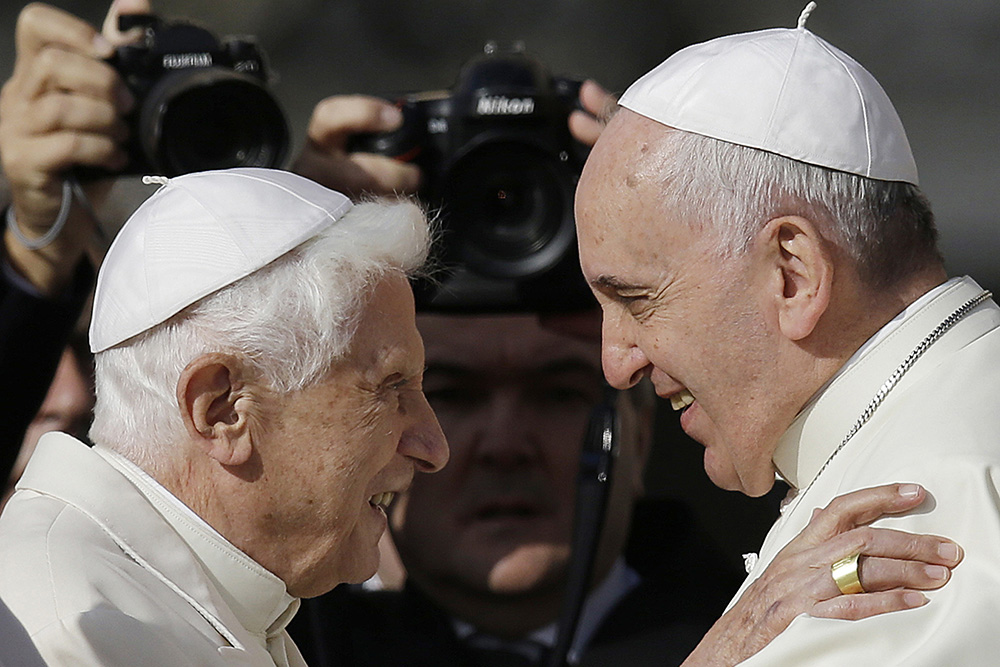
x,y
752,225
259,403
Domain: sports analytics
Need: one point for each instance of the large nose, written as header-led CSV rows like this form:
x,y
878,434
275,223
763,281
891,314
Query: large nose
x,y
623,361
504,437
424,442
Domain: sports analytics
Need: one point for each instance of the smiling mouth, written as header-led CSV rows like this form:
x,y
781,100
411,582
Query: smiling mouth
x,y
681,400
382,500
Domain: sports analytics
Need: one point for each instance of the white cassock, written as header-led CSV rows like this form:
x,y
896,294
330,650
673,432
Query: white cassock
x,y
939,427
103,566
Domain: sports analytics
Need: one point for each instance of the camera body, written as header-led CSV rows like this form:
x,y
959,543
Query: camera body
x,y
500,167
201,103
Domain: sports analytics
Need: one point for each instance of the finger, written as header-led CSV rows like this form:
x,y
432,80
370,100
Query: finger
x,y
124,8
57,69
388,176
40,25
860,508
335,171
854,607
883,574
889,543
585,128
58,151
60,111
596,100
336,118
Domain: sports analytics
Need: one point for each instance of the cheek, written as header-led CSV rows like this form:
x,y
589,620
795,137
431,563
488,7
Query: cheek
x,y
375,432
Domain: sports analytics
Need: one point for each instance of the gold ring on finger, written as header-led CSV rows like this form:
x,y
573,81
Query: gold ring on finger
x,y
845,575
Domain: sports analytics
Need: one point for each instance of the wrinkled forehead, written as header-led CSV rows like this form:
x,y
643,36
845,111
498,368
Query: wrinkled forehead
x,y
631,150
621,210
386,335
625,172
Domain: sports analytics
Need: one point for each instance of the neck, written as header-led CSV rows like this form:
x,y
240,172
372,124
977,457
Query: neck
x,y
186,478
857,314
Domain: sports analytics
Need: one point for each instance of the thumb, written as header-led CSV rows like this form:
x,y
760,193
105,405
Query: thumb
x,y
124,8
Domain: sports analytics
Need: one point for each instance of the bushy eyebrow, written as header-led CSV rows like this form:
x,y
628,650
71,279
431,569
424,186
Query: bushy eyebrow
x,y
607,283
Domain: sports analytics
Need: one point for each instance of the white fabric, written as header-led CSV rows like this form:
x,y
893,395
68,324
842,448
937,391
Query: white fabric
x,y
940,427
781,90
882,333
98,576
197,234
256,596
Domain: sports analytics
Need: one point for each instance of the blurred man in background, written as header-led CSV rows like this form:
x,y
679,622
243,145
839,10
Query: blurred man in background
x,y
67,407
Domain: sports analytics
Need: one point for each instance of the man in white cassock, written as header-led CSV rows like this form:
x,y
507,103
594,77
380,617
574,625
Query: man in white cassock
x,y
259,403
751,224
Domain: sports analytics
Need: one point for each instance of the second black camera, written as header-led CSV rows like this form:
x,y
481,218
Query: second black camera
x,y
501,167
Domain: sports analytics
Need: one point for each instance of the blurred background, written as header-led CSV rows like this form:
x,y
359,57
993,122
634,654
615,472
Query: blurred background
x,y
938,61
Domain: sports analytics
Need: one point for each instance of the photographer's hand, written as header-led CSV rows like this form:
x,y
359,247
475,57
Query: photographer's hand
x,y
62,107
598,104
326,160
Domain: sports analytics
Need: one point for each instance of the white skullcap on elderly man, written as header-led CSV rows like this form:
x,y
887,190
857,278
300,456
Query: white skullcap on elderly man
x,y
785,91
197,234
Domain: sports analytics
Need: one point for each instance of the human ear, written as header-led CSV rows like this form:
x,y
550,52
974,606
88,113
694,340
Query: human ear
x,y
800,264
214,402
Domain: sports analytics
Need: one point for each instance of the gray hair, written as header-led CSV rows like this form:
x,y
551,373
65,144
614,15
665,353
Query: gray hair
x,y
290,320
885,227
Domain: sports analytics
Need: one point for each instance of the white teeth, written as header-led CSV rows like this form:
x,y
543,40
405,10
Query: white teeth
x,y
681,400
382,499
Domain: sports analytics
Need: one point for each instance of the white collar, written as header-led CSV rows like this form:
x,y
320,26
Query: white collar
x,y
258,598
818,429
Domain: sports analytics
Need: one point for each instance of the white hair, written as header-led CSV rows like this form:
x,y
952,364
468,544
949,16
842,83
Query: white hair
x,y
290,320
885,227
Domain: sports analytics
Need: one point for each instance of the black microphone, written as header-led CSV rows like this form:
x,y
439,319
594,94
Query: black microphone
x,y
599,451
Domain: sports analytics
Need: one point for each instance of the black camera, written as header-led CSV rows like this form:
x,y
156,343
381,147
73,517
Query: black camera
x,y
501,168
200,103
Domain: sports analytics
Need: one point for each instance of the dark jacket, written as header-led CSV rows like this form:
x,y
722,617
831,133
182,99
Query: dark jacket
x,y
33,332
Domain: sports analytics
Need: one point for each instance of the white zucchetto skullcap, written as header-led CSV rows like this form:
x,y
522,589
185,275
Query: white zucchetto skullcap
x,y
197,234
785,91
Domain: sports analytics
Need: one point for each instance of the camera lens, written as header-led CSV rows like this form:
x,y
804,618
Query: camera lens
x,y
509,206
211,118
